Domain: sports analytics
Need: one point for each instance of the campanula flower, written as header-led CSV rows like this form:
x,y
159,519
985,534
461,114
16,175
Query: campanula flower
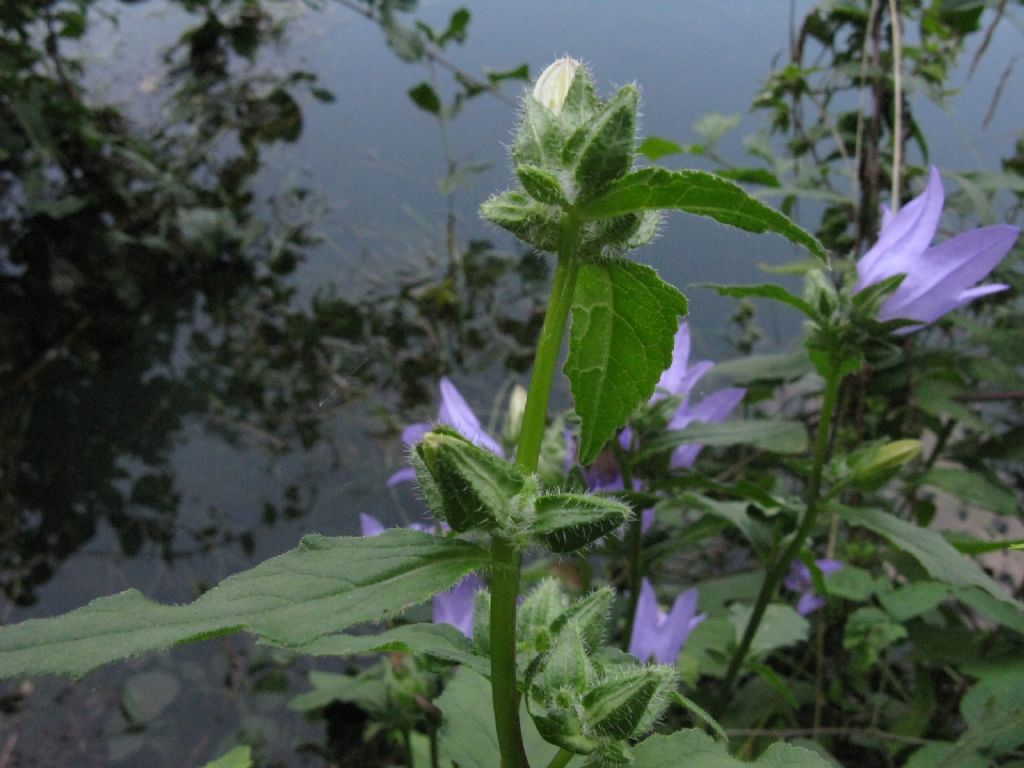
x,y
799,580
938,278
457,605
454,412
662,635
553,84
678,380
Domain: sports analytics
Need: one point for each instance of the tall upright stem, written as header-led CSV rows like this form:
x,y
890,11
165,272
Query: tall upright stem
x,y
776,573
505,558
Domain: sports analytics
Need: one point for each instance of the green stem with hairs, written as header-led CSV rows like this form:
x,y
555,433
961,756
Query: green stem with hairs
x,y
506,560
777,572
561,759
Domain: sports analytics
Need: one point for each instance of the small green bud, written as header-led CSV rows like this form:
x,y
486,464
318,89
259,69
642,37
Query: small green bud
x,y
565,522
872,465
567,665
541,185
590,614
628,703
541,607
467,486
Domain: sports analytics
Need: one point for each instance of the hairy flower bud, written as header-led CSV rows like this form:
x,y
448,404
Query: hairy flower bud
x,y
553,84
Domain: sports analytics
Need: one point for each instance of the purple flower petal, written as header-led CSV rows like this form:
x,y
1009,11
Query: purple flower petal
x,y
369,525
937,279
457,605
402,476
809,603
713,409
937,282
904,237
455,412
660,635
647,518
414,433
672,377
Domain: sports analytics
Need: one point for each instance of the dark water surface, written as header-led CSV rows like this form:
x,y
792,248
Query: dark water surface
x,y
184,406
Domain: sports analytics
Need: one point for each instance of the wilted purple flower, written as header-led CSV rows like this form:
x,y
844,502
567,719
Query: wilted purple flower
x,y
678,380
938,279
799,580
662,635
454,412
456,606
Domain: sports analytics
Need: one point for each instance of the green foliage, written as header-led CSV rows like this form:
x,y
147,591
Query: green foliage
x,y
239,757
624,318
695,749
323,586
699,193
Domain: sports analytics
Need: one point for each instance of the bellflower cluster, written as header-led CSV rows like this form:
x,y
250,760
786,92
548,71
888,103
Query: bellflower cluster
x,y
662,635
799,580
454,412
938,279
457,605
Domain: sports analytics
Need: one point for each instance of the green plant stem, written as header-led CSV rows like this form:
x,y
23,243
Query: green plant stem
x,y
776,573
561,759
546,359
505,558
504,690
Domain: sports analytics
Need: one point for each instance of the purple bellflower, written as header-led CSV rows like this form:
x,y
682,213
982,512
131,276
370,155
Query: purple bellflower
x,y
679,379
799,580
939,278
454,412
458,604
662,635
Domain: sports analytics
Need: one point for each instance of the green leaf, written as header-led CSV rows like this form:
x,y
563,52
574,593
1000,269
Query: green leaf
x,y
700,193
624,320
696,749
540,184
368,691
774,436
972,488
936,555
850,583
783,366
868,632
655,148
781,626
426,98
239,757
994,712
605,153
764,291
468,737
529,220
913,599
700,712
324,585
942,754
438,641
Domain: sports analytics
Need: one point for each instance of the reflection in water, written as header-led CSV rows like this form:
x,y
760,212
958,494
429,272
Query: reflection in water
x,y
147,287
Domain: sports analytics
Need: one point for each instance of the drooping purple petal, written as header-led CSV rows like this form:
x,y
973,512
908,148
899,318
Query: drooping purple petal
x,y
936,279
370,525
414,433
647,517
457,605
904,236
799,580
809,603
659,635
455,412
943,275
404,475
672,377
713,409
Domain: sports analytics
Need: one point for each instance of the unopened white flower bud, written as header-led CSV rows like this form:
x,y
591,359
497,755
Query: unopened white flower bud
x,y
553,84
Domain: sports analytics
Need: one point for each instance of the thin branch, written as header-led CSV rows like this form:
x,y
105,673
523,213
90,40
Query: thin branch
x,y
897,102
